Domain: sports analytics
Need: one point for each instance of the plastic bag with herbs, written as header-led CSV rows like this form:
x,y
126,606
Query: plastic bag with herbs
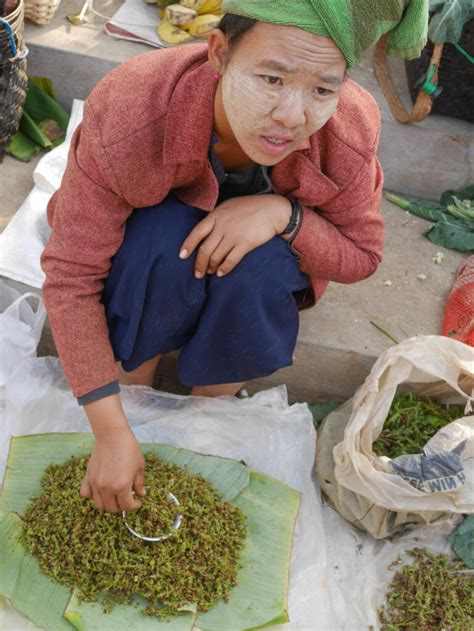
x,y
386,495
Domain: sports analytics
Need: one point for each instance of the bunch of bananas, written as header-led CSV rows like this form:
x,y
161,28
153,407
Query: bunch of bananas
x,y
181,22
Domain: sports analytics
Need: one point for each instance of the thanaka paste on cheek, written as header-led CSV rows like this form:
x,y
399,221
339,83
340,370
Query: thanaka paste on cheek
x,y
247,105
321,113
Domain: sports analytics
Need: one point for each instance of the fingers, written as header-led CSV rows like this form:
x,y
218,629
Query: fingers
x,y
109,502
86,489
205,254
112,502
197,234
232,259
97,499
219,255
127,502
138,484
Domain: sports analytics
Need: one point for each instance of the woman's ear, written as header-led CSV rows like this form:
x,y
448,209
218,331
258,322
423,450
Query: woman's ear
x,y
218,49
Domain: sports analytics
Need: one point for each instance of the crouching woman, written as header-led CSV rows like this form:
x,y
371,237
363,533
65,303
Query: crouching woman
x,y
211,192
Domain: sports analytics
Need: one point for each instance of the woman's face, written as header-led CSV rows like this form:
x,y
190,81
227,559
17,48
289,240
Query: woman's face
x,y
279,86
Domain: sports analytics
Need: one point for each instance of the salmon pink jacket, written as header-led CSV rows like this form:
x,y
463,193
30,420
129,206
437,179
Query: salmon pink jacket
x,y
146,131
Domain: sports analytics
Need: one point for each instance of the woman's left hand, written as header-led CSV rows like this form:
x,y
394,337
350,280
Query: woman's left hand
x,y
234,228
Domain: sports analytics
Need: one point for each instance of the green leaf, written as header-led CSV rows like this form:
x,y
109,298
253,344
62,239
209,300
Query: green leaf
x,y
33,131
11,554
38,597
462,541
448,23
450,234
45,84
447,197
22,148
87,616
261,595
419,207
40,106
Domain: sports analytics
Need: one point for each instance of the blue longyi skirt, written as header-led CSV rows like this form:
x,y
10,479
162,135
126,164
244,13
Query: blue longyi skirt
x,y
229,329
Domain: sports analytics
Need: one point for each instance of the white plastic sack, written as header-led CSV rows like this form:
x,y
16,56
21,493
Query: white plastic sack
x,y
383,495
265,431
20,328
23,240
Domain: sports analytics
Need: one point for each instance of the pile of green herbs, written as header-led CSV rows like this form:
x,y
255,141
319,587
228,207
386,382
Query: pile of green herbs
x,y
411,422
428,595
94,552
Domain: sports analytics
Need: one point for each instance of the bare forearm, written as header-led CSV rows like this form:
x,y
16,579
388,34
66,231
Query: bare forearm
x,y
106,416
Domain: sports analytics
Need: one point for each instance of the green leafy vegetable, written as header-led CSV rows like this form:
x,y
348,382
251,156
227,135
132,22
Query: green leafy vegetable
x,y
448,22
410,424
453,217
450,235
464,193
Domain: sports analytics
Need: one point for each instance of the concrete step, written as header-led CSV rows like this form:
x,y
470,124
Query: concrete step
x,y
337,345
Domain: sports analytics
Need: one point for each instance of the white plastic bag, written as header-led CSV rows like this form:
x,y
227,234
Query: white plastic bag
x,y
381,495
265,431
20,328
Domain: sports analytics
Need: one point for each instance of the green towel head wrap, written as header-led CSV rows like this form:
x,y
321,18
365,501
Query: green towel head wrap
x,y
354,25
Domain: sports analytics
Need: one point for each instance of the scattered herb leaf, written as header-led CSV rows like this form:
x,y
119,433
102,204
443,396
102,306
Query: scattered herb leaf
x,y
428,595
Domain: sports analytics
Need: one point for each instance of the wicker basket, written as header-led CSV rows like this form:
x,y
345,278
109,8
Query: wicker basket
x,y
40,11
13,77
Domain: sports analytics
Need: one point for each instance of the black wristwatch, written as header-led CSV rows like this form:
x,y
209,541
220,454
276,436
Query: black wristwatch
x,y
295,211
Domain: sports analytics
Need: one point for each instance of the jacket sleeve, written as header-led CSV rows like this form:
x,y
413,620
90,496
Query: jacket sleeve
x,y
87,215
343,242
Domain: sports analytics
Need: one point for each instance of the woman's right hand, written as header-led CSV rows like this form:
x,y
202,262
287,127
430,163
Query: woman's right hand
x,y
116,466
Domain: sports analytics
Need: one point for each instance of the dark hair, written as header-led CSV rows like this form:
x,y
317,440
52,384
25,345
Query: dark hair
x,y
234,27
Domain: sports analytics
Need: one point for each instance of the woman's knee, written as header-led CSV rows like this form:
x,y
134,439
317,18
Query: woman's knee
x,y
270,267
